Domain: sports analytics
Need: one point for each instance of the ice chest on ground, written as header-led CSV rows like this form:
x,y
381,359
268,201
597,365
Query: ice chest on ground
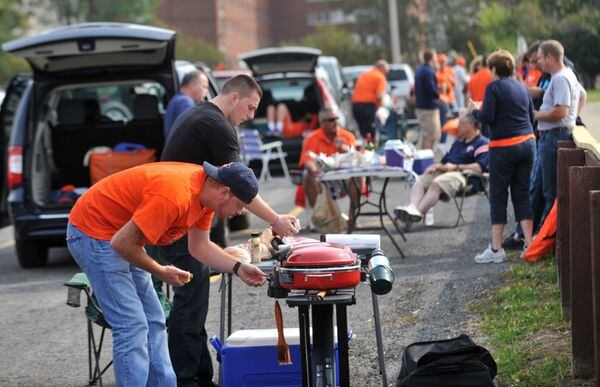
x,y
249,359
423,159
394,153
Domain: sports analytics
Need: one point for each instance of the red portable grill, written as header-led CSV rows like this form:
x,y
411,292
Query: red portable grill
x,y
319,266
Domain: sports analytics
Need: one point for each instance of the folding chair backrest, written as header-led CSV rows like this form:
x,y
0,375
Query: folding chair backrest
x,y
251,142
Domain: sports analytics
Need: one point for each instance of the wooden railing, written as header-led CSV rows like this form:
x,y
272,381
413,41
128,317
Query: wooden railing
x,y
578,247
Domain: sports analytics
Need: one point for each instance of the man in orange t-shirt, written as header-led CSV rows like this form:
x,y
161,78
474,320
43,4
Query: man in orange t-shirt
x,y
154,204
328,139
369,90
478,83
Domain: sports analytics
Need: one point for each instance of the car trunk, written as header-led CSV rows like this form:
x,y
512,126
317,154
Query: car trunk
x,y
97,85
85,118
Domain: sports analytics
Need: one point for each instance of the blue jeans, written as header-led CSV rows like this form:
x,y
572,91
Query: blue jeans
x,y
188,340
131,307
510,167
542,191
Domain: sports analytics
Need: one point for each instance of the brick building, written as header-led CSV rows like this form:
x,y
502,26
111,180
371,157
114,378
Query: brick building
x,y
237,26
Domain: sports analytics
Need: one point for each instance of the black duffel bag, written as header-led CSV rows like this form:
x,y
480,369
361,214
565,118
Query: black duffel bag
x,y
457,362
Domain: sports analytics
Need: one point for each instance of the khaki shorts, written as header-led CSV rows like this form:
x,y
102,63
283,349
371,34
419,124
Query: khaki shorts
x,y
449,182
429,121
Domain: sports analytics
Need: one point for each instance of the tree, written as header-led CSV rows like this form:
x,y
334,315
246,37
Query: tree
x,y
13,21
580,36
195,49
77,11
336,42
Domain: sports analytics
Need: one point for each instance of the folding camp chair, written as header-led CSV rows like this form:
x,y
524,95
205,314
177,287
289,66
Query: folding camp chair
x,y
254,149
470,190
94,315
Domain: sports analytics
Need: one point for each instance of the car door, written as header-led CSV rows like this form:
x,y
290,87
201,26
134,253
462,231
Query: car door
x,y
7,116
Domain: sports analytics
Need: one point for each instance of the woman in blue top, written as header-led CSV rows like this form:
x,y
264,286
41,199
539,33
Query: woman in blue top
x,y
508,110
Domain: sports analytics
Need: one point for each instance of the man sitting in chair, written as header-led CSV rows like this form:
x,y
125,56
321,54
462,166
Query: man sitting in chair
x,y
328,139
468,152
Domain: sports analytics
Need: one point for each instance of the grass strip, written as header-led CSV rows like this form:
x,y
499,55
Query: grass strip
x,y
593,95
524,330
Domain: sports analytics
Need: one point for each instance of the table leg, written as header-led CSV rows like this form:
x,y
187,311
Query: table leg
x,y
379,339
229,291
383,207
342,330
222,289
305,346
322,324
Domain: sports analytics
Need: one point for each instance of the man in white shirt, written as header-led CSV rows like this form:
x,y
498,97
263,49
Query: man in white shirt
x,y
563,102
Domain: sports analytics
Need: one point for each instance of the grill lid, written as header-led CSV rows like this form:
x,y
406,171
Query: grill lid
x,y
320,254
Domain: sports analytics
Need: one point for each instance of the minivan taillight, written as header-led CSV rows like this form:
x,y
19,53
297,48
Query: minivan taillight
x,y
15,166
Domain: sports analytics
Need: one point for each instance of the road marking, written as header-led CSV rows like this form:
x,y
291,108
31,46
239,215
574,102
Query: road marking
x,y
7,244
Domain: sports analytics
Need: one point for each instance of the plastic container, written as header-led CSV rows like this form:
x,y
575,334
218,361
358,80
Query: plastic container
x,y
249,359
423,159
394,155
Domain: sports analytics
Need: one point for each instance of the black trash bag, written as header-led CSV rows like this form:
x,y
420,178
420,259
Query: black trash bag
x,y
457,362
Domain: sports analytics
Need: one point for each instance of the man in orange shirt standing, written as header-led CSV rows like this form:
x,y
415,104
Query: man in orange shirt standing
x,y
152,204
328,139
479,81
369,90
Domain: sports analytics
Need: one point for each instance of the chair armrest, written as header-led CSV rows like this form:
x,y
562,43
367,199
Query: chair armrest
x,y
79,280
271,145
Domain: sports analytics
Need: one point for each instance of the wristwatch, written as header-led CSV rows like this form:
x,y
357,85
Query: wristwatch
x,y
236,267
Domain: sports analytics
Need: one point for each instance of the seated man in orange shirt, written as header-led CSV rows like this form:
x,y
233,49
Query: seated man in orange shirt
x,y
328,139
156,204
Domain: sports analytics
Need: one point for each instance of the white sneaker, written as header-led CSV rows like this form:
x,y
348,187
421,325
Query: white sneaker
x,y
489,256
408,213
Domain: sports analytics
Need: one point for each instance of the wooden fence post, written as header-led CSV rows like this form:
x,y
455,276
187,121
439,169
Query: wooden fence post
x,y
581,181
595,239
567,157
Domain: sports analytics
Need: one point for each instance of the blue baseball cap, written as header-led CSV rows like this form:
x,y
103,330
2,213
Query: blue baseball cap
x,y
239,178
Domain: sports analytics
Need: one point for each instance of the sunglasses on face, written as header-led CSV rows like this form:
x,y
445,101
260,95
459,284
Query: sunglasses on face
x,y
332,119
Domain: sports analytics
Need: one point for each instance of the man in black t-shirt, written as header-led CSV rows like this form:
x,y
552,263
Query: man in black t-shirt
x,y
207,133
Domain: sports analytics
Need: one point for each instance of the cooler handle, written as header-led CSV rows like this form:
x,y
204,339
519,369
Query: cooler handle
x,y
216,343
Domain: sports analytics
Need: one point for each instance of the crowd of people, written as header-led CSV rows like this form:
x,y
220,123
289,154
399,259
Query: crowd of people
x,y
523,111
511,118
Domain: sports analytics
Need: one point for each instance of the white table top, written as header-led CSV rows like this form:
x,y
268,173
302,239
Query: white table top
x,y
374,171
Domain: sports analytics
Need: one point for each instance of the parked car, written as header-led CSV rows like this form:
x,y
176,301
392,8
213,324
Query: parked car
x,y
221,76
290,75
401,80
93,84
352,72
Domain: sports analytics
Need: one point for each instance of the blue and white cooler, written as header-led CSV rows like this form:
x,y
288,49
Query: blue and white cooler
x,y
394,153
249,358
423,158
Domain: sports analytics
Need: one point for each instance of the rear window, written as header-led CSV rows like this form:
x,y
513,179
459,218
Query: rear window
x,y
287,90
115,103
397,75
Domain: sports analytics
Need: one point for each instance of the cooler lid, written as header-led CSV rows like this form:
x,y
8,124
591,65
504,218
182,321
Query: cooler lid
x,y
320,254
266,337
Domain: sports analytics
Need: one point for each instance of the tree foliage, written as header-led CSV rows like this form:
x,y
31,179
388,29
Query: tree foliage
x,y
196,49
336,42
13,21
76,11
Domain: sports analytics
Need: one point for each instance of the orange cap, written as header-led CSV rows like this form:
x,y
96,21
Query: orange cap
x,y
442,58
460,60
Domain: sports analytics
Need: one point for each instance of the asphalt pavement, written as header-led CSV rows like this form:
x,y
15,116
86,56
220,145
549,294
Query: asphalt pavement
x,y
43,341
